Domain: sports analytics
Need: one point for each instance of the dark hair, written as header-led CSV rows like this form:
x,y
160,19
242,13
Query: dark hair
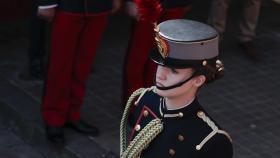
x,y
213,70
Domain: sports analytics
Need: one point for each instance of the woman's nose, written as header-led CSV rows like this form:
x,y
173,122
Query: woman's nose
x,y
161,73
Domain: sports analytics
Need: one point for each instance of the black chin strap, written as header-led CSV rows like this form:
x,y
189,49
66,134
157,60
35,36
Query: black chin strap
x,y
177,84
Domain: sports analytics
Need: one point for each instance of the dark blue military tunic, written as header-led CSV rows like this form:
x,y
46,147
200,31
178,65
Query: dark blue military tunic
x,y
182,133
81,6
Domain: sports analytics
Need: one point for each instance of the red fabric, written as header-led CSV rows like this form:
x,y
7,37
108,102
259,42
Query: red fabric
x,y
139,119
139,70
73,45
15,9
149,10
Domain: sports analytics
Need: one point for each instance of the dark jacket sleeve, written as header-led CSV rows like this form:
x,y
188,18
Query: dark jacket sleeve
x,y
47,2
219,146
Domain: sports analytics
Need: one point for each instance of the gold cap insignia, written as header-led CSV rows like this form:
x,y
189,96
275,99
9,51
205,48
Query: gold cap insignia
x,y
161,44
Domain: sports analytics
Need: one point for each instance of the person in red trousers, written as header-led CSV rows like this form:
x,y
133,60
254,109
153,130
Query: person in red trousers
x,y
77,28
138,70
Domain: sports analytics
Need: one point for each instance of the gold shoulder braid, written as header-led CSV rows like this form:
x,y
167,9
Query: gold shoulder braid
x,y
145,136
123,139
143,139
215,129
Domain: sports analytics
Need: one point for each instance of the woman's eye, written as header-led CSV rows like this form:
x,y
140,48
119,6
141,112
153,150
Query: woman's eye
x,y
174,71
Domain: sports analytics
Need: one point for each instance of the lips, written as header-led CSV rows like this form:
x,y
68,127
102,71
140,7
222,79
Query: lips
x,y
159,85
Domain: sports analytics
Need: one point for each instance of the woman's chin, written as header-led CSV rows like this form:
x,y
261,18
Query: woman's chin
x,y
162,93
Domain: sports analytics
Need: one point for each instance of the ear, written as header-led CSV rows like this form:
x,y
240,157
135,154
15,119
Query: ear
x,y
199,80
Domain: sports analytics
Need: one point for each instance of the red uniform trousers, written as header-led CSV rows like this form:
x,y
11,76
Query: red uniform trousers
x,y
139,71
74,41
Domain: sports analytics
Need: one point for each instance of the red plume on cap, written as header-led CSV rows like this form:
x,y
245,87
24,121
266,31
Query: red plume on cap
x,y
149,10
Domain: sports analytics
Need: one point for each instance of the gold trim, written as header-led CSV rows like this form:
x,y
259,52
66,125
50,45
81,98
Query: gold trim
x,y
162,45
181,138
171,152
145,113
156,29
137,127
179,114
214,128
204,63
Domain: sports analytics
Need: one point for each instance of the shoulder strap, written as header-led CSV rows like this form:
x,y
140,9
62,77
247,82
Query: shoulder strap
x,y
212,125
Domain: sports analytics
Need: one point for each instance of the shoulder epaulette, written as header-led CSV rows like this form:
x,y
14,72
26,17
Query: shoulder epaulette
x,y
212,125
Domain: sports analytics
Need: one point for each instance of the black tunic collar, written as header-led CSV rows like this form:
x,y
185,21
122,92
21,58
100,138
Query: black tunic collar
x,y
187,111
